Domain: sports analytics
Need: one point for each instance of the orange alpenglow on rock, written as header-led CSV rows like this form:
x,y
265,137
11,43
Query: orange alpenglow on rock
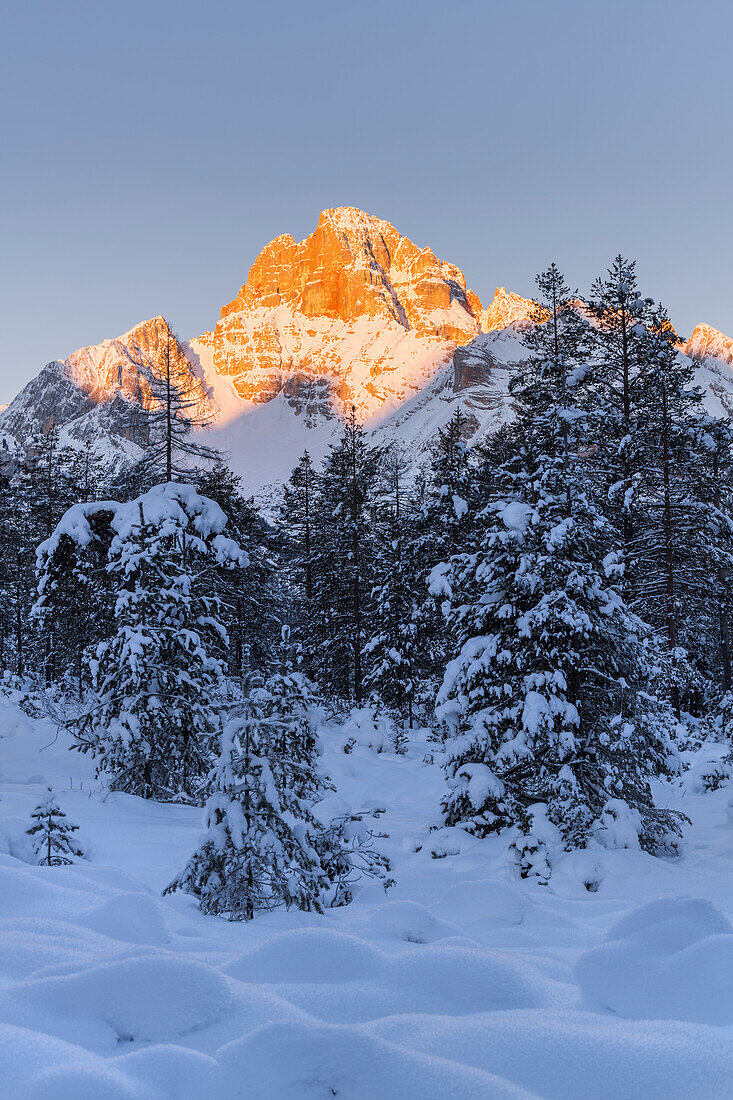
x,y
118,367
506,308
706,342
355,306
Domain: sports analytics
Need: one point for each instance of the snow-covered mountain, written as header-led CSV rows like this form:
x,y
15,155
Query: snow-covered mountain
x,y
100,393
712,351
355,314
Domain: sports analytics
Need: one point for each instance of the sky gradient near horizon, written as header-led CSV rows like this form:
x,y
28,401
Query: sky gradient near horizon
x,y
152,148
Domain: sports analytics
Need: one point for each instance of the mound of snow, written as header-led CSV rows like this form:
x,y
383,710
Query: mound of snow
x,y
671,959
340,979
308,955
313,1061
173,1071
482,899
145,997
709,771
34,945
576,1055
86,1082
133,918
408,922
459,980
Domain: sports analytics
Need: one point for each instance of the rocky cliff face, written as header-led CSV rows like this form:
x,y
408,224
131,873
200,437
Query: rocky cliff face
x,y
356,309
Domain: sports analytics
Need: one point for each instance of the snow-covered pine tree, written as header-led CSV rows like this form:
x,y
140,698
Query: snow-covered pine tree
x,y
53,843
90,474
250,598
289,708
715,488
552,384
75,590
545,694
155,717
343,559
443,527
259,848
296,517
652,476
18,540
297,522
42,489
622,370
445,523
393,647
677,530
345,843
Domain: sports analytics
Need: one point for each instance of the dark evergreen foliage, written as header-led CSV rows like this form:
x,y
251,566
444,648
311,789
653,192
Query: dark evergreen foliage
x,y
52,840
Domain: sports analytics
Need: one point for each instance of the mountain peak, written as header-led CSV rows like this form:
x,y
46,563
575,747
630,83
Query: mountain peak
x,y
707,341
506,307
111,380
355,304
350,218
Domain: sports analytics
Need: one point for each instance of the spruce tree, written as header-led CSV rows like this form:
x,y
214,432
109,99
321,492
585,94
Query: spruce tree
x,y
53,843
289,709
156,681
393,648
297,519
41,490
251,598
550,390
445,524
297,525
546,692
76,592
676,531
443,527
90,474
715,577
622,371
20,536
343,560
259,848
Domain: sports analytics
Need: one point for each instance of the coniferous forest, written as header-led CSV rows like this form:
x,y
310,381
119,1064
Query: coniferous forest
x,y
551,605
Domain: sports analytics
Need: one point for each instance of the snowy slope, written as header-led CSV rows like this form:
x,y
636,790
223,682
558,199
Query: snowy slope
x,y
615,982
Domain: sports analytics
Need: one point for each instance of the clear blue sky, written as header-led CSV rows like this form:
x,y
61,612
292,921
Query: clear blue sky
x,y
150,149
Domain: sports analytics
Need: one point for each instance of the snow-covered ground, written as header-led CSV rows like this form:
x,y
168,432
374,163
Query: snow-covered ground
x,y
615,981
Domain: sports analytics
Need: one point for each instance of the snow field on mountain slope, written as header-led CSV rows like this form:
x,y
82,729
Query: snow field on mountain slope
x,y
463,981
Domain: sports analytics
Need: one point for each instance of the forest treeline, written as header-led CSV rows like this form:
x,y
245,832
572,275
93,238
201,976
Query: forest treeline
x,y
553,603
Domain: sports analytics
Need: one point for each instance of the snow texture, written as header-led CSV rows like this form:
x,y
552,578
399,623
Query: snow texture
x,y
463,981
